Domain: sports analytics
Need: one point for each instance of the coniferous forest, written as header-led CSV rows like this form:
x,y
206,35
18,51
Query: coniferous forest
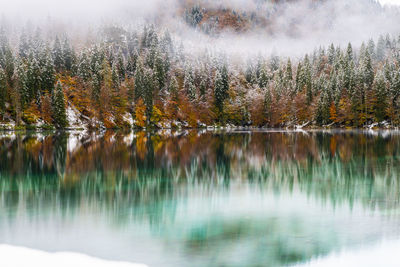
x,y
145,78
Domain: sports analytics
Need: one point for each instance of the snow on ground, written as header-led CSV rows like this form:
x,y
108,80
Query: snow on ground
x,y
39,123
128,118
385,254
74,117
7,126
12,256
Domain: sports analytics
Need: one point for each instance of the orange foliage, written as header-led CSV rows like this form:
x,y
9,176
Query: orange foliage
x,y
258,117
140,114
332,112
32,113
46,112
187,112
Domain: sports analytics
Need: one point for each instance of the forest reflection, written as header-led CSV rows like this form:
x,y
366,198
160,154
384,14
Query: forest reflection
x,y
207,193
333,166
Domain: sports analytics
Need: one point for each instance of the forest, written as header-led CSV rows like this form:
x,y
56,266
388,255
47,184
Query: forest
x,y
146,79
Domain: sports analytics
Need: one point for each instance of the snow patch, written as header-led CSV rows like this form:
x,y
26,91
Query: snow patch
x,y
12,256
7,126
129,119
384,254
72,116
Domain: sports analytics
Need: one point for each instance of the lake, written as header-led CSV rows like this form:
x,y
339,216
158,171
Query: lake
x,y
200,198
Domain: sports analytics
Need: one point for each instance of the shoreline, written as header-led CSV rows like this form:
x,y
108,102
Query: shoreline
x,y
208,128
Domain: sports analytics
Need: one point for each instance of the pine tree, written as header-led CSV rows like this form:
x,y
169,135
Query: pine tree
x,y
83,68
121,67
349,53
148,93
58,107
3,92
131,65
33,79
48,75
380,93
371,49
96,83
188,84
288,71
308,80
139,82
6,58
331,54
58,58
160,72
115,77
221,87
174,93
263,79
23,45
367,69
22,85
380,49
67,55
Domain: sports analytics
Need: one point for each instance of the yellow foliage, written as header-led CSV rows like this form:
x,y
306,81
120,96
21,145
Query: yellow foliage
x,y
156,115
140,114
31,114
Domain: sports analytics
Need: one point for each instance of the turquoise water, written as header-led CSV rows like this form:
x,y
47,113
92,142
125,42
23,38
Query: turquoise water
x,y
200,198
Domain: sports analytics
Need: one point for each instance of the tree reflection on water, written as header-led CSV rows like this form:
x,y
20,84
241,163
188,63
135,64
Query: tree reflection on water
x,y
220,197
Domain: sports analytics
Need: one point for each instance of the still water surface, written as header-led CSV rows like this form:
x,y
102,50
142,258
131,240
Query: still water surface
x,y
260,198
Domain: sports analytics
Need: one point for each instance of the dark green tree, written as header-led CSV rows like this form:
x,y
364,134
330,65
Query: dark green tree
x,y
58,107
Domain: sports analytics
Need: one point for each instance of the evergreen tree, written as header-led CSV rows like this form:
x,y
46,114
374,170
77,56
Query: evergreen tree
x,y
33,79
67,55
148,82
189,84
221,87
263,79
331,54
6,57
131,65
160,72
48,75
58,58
96,83
22,84
23,45
83,68
380,94
120,67
174,93
3,92
58,107
139,82
380,49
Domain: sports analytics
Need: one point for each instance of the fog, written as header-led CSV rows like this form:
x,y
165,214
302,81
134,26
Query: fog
x,y
292,27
